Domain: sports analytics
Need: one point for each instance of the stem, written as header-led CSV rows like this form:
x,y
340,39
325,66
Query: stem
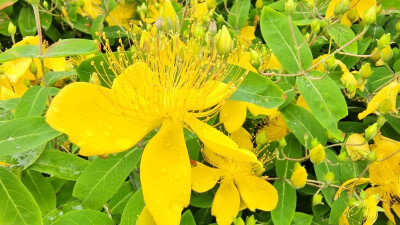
x,y
40,35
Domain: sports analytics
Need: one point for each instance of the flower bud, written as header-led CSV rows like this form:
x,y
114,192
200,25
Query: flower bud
x,y
371,157
224,41
27,83
369,16
371,131
384,41
378,9
259,4
12,29
290,6
250,220
329,178
397,27
356,146
317,200
299,176
376,55
365,71
330,62
46,5
255,59
210,4
159,24
386,54
384,106
317,154
341,7
33,68
282,143
212,27
381,121
261,138
238,221
315,27
310,3
352,15
198,32
342,156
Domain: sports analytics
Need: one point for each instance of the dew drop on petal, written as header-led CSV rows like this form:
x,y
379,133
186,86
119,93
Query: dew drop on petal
x,y
176,207
123,143
176,175
55,109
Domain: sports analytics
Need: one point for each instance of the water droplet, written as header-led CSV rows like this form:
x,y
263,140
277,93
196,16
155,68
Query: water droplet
x,y
10,138
106,133
81,143
123,142
17,146
176,207
89,133
55,109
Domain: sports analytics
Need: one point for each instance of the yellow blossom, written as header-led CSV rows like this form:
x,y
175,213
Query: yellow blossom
x,y
239,181
247,34
317,154
160,87
274,128
360,5
357,146
299,176
388,94
243,138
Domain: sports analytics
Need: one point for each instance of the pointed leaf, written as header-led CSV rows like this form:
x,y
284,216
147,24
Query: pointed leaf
x,y
84,217
238,13
342,35
284,212
133,208
69,47
293,149
32,103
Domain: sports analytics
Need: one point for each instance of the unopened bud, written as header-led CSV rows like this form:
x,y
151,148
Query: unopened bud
x,y
384,41
210,4
261,138
351,88
341,7
259,4
329,178
282,143
369,16
376,55
342,156
386,54
238,221
12,29
371,157
352,15
159,24
310,3
381,121
317,200
224,41
315,27
33,68
255,58
397,27
289,7
212,28
250,220
357,146
46,5
198,32
317,154
299,176
371,131
27,83
330,62
378,9
365,71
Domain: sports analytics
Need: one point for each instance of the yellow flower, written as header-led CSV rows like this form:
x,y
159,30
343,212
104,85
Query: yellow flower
x,y
386,95
247,35
274,128
242,138
357,146
299,176
239,181
317,154
167,84
360,5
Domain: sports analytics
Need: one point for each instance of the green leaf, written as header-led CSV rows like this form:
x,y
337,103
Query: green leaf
x,y
379,76
54,76
301,122
187,218
338,207
133,208
238,13
119,200
325,100
60,164
293,150
41,190
6,3
97,26
342,35
9,104
85,69
103,177
84,217
202,200
45,20
17,204
32,103
350,61
394,122
323,168
258,90
351,169
301,219
21,161
26,21
25,51
276,31
69,47
21,134
284,212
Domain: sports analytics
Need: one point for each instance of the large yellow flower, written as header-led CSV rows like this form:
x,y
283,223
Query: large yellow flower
x,y
239,181
168,84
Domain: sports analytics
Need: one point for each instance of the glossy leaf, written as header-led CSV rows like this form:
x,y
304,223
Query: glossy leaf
x,y
277,33
342,35
32,103
54,76
25,51
119,200
293,149
302,219
69,47
284,212
133,208
325,100
338,207
238,13
26,21
103,177
84,217
187,218
17,204
21,134
60,164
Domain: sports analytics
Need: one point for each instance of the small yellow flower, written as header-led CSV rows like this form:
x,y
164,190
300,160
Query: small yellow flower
x,y
299,176
274,128
389,92
317,154
240,181
357,147
161,87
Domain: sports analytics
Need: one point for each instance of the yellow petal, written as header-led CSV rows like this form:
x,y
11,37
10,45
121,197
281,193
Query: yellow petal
x,y
257,193
4,164
6,94
28,40
15,69
388,92
272,62
242,138
204,178
275,129
55,64
145,218
93,119
331,8
226,203
247,32
364,5
396,209
218,142
233,115
213,93
165,174
258,110
302,103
